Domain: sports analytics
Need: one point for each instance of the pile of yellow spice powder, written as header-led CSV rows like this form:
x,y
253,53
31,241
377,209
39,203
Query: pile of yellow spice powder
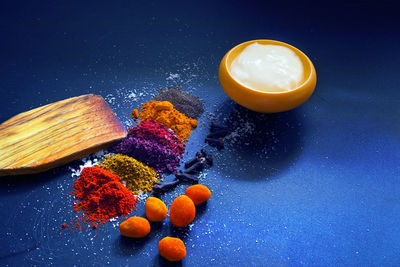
x,y
136,176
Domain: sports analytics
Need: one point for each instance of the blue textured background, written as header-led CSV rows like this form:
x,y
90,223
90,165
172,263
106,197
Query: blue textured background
x,y
318,185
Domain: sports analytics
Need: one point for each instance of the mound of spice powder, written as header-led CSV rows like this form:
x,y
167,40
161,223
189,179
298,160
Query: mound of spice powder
x,y
137,176
151,153
186,103
165,113
102,196
155,131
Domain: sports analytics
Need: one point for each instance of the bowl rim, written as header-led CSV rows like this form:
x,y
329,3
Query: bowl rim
x,y
294,49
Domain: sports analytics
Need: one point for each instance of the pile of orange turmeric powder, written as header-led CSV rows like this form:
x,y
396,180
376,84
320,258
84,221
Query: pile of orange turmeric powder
x,y
165,113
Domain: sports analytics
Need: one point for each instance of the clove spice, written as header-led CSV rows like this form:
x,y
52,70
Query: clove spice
x,y
186,177
215,128
192,161
197,167
216,136
189,175
162,188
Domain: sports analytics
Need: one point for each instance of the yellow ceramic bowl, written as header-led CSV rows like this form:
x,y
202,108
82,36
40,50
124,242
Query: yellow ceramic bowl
x,y
266,102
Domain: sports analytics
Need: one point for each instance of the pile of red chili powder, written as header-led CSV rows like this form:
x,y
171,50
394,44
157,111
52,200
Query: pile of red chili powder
x,y
101,196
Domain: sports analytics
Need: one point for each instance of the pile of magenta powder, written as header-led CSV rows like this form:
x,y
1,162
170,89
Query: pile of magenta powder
x,y
153,144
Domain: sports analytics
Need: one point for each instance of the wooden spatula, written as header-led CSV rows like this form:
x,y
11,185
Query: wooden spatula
x,y
57,133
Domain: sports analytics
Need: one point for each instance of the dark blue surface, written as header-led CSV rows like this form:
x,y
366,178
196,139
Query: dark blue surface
x,y
318,185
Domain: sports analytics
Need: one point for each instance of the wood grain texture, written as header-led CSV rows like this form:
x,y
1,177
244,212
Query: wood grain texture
x,y
57,133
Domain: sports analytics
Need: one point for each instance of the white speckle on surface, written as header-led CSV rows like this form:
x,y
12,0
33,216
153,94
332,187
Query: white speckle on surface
x,y
77,172
142,196
173,76
88,161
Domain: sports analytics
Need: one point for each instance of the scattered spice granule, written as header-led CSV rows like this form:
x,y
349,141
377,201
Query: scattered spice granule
x,y
164,112
101,196
63,225
135,114
184,102
137,176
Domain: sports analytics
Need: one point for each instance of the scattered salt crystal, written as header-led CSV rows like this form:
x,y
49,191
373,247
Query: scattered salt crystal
x,y
203,175
242,130
131,95
88,161
173,76
77,172
99,154
142,196
110,99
